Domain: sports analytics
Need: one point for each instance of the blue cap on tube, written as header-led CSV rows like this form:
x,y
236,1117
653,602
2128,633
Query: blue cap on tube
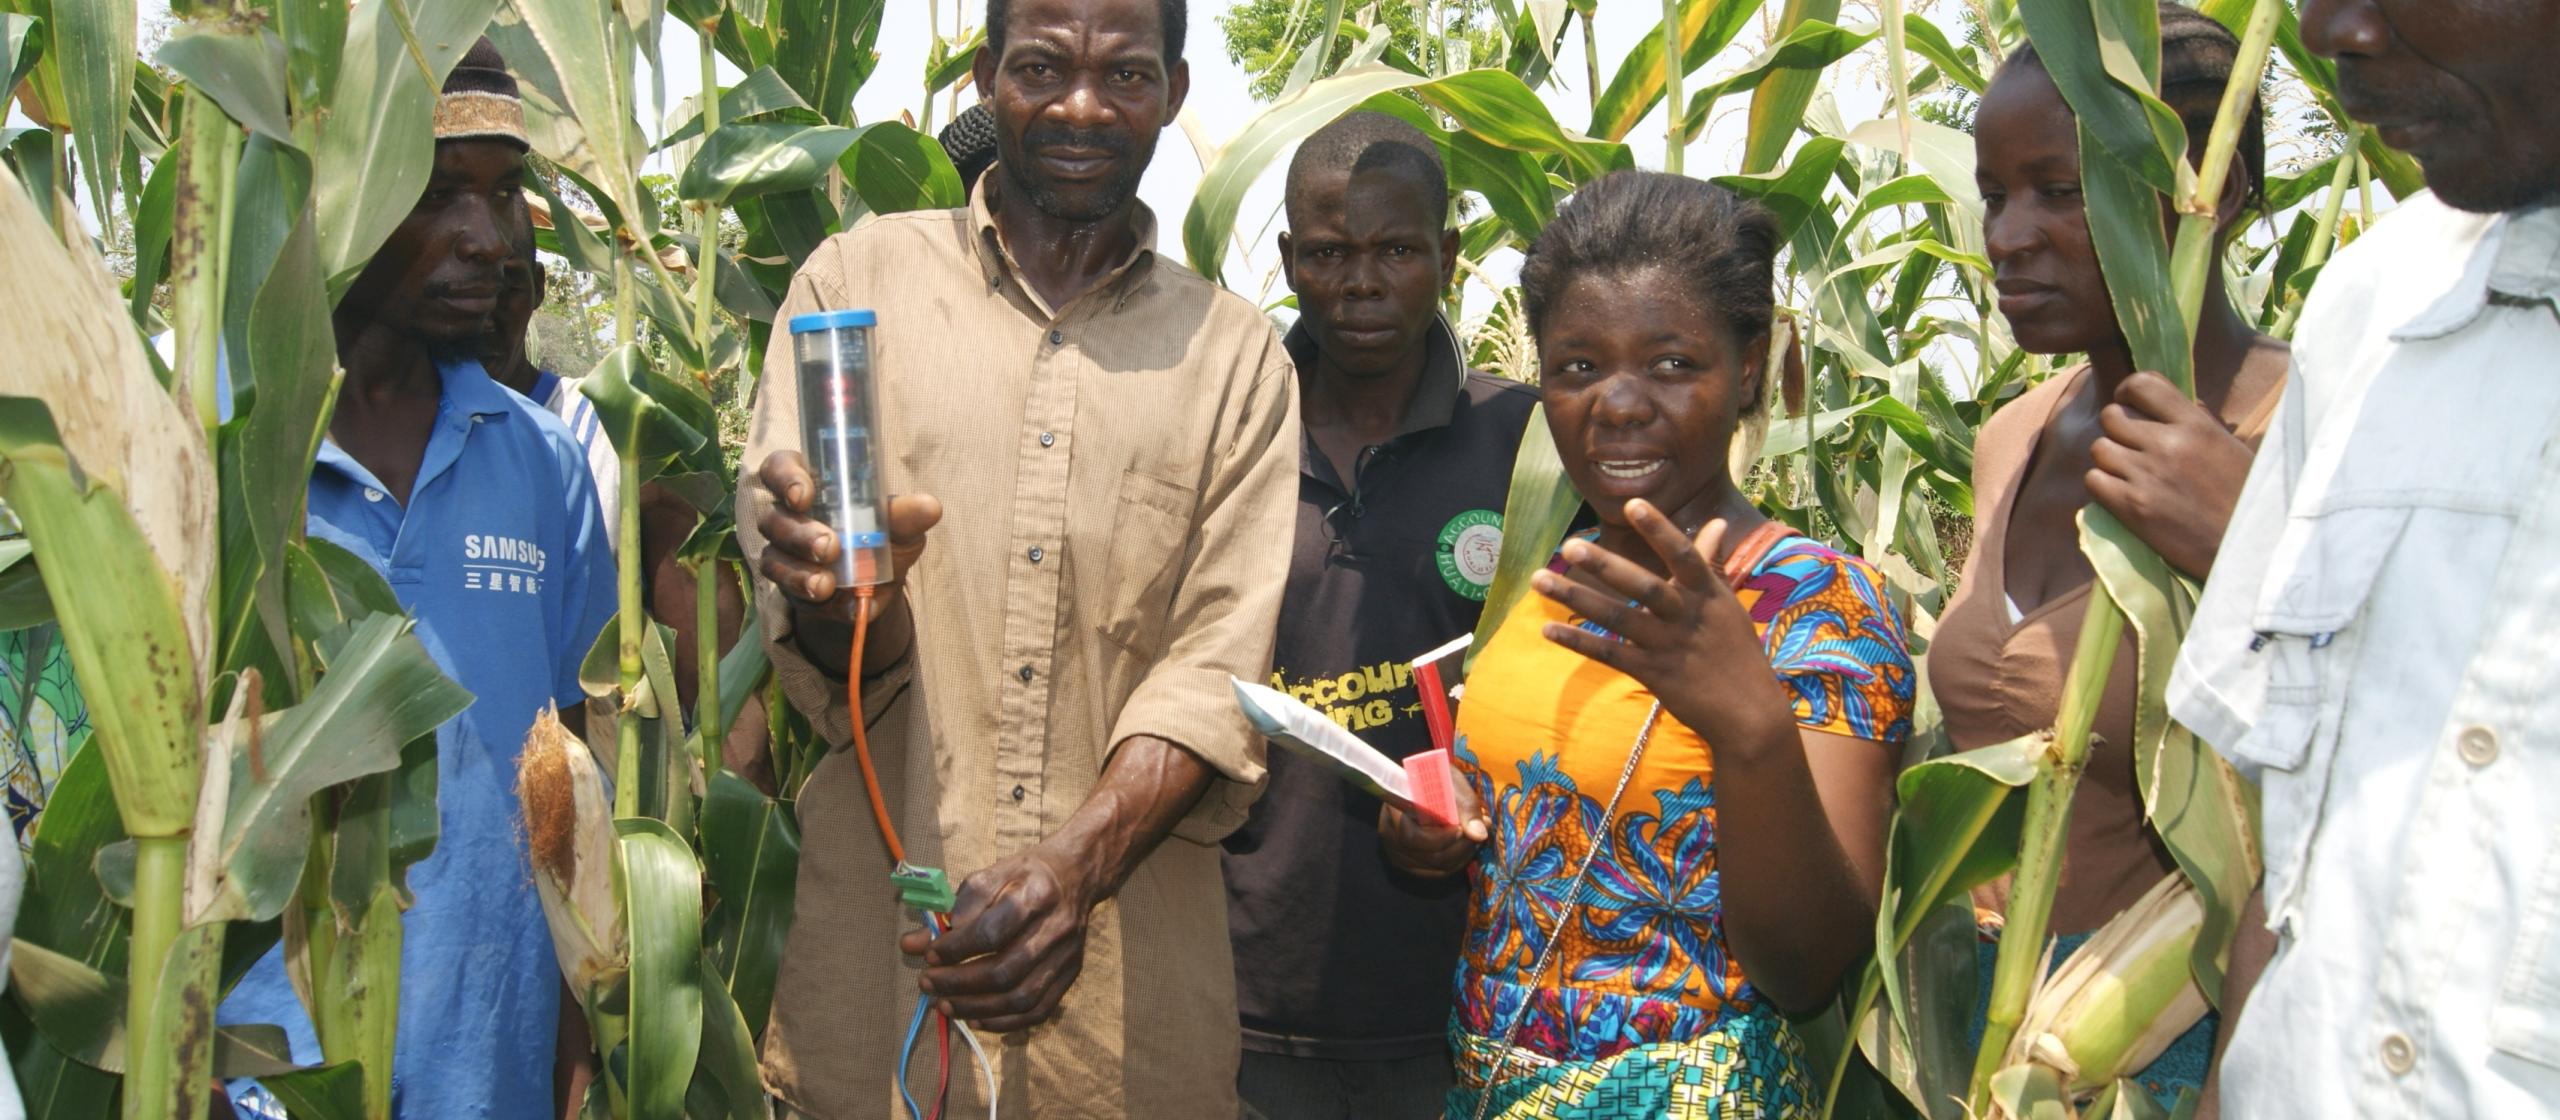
x,y
830,320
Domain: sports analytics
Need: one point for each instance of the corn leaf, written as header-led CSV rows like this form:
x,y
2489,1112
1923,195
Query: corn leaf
x,y
1957,829
585,55
1943,154
742,671
745,160
2124,1100
1812,45
1511,182
93,45
2204,812
1925,39
121,622
1778,104
728,1084
751,858
661,894
649,418
2132,244
381,692
325,1092
66,910
153,212
1795,195
762,93
1706,27
1922,1052
954,61
2104,56
22,40
240,66
80,1012
1495,107
315,36
828,50
370,165
2029,1092
22,599
894,168
1535,517
1232,171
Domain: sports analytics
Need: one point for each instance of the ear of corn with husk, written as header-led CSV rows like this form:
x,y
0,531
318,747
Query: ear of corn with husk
x,y
2123,998
569,831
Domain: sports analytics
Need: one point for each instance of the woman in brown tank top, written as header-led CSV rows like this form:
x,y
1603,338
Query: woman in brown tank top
x,y
2169,468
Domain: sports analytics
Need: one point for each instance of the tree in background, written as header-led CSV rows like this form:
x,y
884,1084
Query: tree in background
x,y
1267,37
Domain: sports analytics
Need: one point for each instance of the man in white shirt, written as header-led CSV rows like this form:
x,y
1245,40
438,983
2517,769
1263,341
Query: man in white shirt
x,y
506,352
2379,645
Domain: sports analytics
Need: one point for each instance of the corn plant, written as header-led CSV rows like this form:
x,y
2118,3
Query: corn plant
x,y
244,692
202,828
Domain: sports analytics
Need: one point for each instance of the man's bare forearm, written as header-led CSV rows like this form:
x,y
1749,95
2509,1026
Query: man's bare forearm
x,y
1147,787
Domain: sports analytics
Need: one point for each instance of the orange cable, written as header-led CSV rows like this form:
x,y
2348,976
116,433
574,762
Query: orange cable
x,y
861,737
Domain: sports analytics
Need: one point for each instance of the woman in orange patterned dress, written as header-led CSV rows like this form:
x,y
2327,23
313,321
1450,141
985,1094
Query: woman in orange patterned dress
x,y
1679,754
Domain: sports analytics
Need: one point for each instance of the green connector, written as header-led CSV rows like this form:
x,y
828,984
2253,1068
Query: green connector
x,y
924,888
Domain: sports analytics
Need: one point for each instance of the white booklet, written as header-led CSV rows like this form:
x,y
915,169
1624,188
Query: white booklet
x,y
1300,728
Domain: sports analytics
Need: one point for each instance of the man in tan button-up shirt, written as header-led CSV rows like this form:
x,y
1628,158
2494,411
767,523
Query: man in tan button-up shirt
x,y
1103,448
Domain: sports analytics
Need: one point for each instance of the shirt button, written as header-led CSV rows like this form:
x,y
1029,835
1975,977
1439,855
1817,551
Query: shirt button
x,y
1037,555
2399,1055
1025,674
1048,439
1019,793
372,495
1057,338
2477,745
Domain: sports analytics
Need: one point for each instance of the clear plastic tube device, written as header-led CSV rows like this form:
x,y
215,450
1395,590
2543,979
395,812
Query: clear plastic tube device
x,y
839,432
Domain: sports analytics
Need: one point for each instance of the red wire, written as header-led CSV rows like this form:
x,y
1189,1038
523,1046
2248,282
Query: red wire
x,y
880,813
942,1082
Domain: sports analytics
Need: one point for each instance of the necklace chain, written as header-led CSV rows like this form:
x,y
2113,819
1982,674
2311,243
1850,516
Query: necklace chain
x,y
1572,896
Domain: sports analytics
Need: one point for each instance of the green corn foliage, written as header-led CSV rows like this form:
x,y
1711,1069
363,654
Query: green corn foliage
x,y
260,184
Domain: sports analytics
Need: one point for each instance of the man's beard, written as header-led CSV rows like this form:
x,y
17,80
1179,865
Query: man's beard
x,y
1108,198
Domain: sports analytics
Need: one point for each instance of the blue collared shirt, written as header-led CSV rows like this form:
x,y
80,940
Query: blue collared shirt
x,y
502,556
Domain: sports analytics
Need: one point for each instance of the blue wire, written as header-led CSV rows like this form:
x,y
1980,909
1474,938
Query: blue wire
x,y
915,1026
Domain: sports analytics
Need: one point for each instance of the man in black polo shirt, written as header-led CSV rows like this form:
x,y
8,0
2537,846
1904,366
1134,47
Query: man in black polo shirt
x,y
1343,964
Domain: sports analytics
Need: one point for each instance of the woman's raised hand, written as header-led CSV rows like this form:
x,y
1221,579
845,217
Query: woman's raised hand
x,y
1685,638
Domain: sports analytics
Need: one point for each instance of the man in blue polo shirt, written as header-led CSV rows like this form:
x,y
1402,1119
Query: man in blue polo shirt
x,y
476,505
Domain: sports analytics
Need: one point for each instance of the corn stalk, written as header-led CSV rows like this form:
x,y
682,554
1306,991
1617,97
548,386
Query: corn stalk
x,y
706,575
160,1076
1673,115
2197,197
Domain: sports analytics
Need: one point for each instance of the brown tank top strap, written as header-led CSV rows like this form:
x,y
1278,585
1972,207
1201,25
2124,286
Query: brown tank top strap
x,y
2254,428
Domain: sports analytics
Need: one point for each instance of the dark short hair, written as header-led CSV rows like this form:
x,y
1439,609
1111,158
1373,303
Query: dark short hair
x,y
1717,245
1175,14
1369,141
2197,57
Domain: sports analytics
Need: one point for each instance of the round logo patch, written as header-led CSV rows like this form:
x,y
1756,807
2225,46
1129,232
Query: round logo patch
x,y
1470,544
